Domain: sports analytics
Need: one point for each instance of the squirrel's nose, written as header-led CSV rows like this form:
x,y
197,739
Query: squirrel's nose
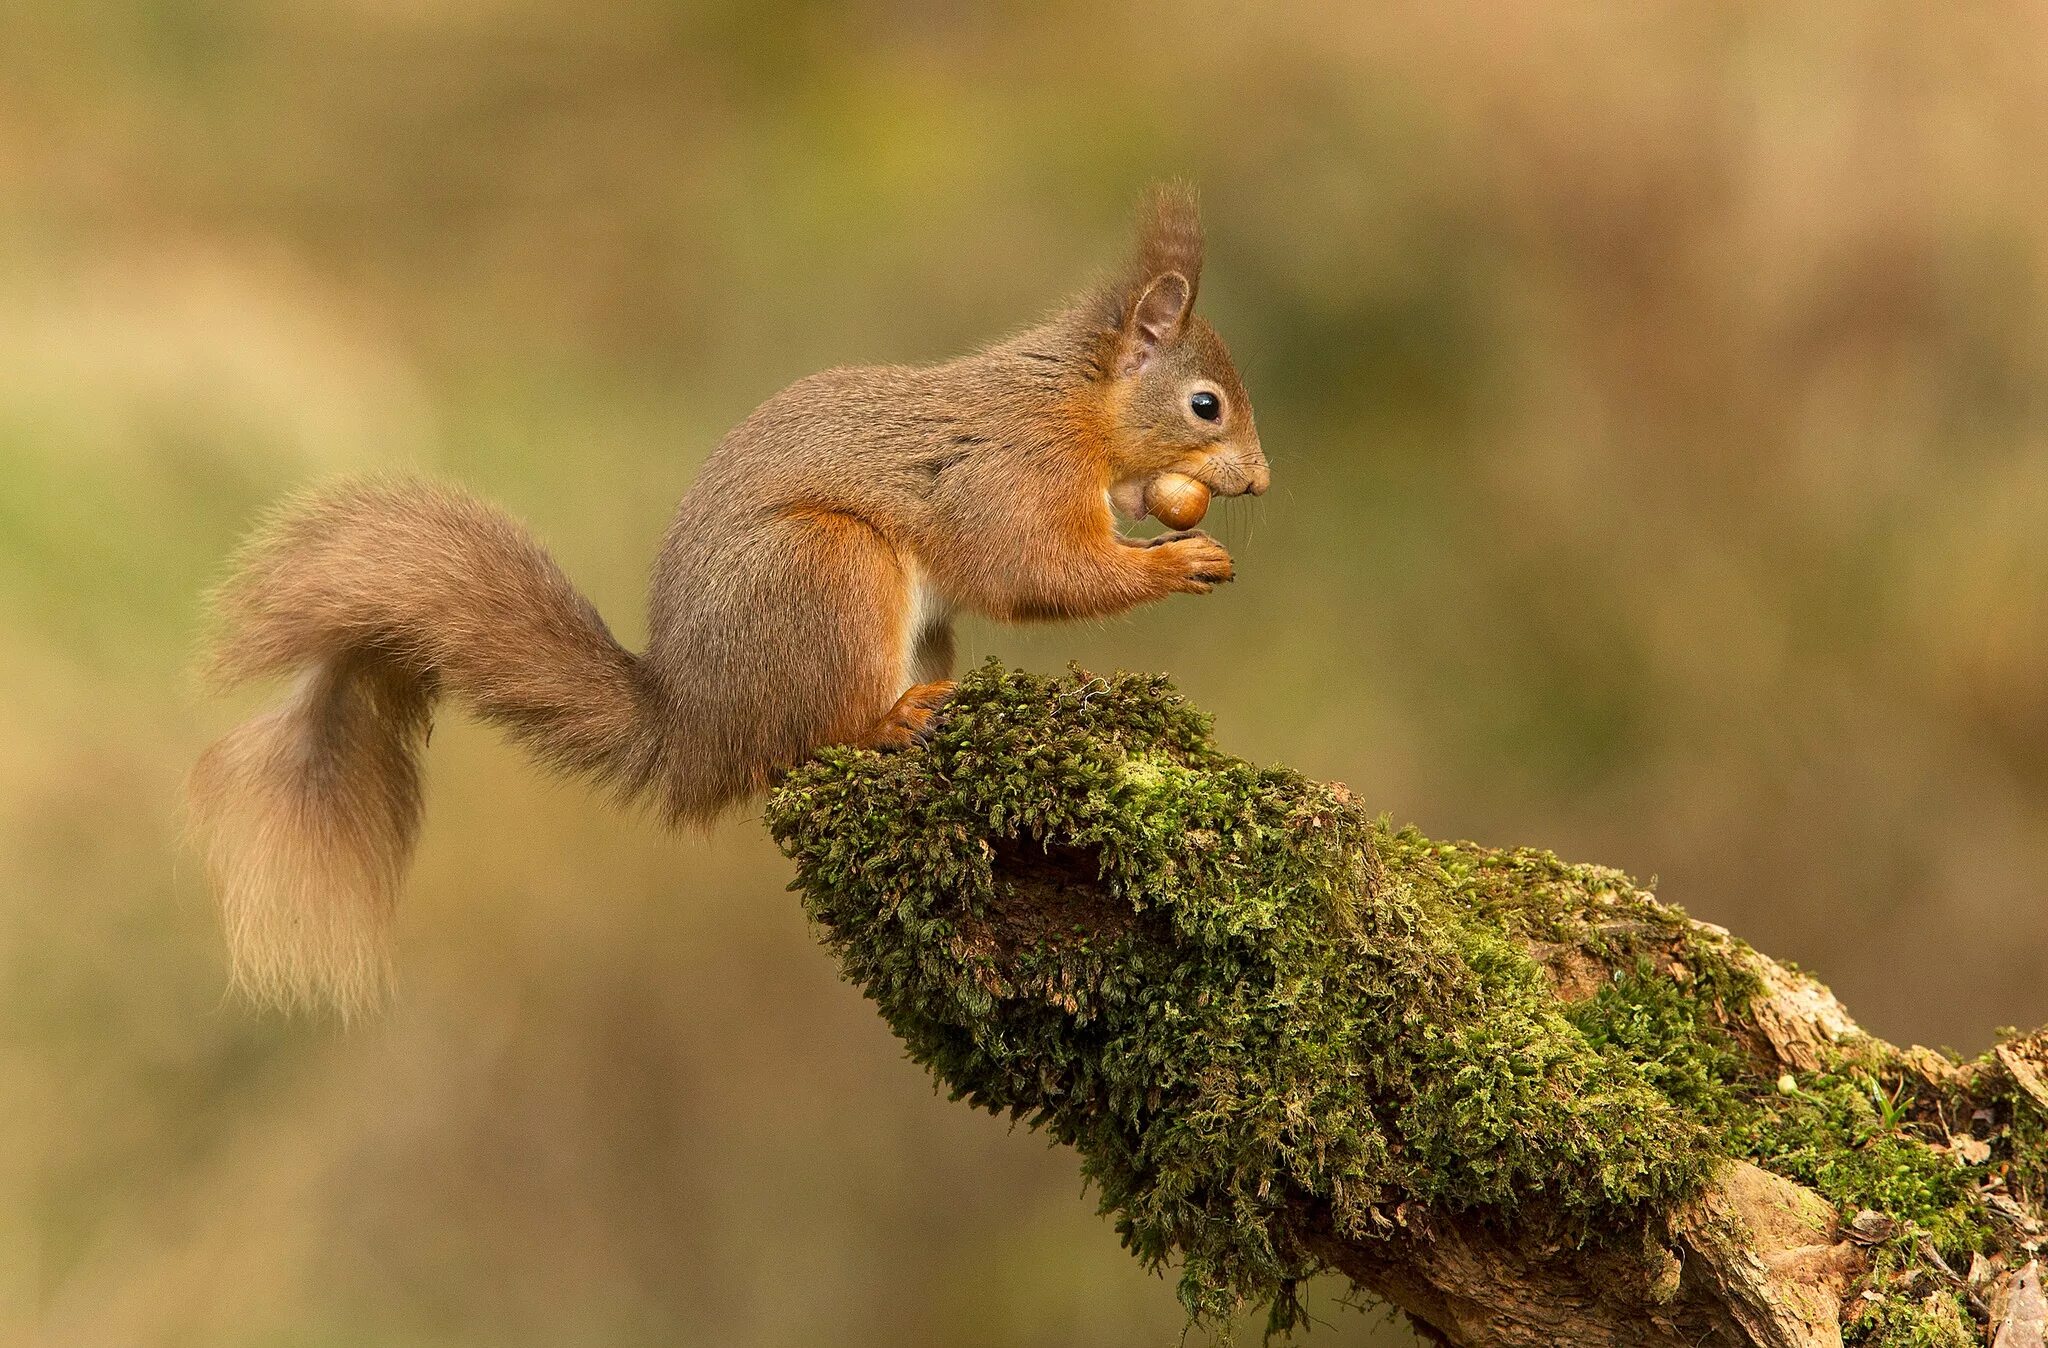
x,y
1257,478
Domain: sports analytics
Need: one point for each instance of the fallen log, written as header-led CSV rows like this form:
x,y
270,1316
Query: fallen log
x,y
1522,1100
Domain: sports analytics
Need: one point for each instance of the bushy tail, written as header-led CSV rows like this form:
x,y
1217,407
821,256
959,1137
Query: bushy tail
x,y
380,596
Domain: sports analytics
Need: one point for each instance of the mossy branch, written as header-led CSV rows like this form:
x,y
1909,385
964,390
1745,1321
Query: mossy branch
x,y
1523,1100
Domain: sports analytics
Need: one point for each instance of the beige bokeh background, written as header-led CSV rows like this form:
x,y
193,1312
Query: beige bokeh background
x,y
1657,410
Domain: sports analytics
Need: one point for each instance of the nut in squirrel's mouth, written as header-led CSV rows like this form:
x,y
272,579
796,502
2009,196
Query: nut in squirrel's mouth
x,y
1178,500
1128,499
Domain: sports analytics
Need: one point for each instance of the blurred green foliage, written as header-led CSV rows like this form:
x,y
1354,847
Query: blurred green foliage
x,y
1657,407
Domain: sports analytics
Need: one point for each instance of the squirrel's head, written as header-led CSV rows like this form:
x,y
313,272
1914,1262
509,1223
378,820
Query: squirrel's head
x,y
1175,400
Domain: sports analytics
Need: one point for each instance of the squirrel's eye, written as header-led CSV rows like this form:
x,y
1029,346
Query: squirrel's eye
x,y
1206,405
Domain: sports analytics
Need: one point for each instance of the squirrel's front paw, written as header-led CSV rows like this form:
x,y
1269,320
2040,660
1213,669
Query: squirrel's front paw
x,y
1196,562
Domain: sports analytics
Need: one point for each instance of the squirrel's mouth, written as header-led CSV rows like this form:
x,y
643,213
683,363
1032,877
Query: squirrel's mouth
x,y
1127,499
1224,474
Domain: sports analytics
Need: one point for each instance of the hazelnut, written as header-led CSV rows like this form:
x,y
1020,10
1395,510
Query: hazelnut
x,y
1176,501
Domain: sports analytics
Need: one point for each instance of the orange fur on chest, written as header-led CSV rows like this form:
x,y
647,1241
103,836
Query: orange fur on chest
x,y
1074,499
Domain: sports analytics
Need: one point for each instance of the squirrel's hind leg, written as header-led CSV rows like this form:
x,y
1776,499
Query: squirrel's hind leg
x,y
931,665
766,670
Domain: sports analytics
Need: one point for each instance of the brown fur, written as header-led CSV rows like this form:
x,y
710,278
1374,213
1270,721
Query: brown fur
x,y
802,597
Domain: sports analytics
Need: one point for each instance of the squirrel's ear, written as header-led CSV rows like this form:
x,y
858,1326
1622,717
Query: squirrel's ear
x,y
1156,319
1159,289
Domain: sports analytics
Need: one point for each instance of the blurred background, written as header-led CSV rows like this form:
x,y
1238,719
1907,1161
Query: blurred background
x,y
1658,405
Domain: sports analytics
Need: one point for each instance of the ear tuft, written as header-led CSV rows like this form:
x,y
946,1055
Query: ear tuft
x,y
1157,292
1170,235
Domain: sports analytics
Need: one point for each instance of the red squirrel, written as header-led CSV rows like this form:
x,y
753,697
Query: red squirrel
x,y
803,597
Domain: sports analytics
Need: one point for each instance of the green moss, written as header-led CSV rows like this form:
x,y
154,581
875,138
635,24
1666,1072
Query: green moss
x,y
1658,1024
1279,999
1852,1138
1938,1320
1262,1015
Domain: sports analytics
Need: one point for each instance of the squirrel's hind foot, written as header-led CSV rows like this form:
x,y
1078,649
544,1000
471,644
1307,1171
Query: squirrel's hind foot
x,y
909,721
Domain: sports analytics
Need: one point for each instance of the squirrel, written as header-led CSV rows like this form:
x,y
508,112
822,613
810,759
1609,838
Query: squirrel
x,y
803,597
